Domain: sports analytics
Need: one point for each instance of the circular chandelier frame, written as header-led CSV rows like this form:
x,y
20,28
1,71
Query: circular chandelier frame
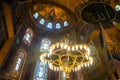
x,y
62,57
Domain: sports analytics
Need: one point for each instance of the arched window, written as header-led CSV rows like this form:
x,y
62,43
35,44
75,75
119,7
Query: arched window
x,y
49,25
66,23
18,64
40,71
58,26
42,21
28,36
35,15
45,43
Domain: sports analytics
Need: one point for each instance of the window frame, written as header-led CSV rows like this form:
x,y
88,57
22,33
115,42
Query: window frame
x,y
29,32
16,73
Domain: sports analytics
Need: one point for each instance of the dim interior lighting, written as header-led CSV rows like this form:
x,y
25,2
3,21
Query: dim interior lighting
x,y
65,58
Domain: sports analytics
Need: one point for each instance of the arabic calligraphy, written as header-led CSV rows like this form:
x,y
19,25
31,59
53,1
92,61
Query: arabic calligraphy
x,y
100,17
97,13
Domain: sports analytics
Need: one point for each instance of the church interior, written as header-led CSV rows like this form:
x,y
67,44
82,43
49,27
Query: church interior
x,y
60,40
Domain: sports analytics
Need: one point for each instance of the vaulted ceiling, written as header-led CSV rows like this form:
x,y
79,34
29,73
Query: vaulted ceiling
x,y
64,9
69,10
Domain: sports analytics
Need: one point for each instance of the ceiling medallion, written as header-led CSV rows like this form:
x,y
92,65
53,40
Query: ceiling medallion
x,y
96,13
65,58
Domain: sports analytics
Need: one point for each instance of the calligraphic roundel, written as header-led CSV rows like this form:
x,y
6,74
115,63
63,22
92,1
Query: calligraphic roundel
x,y
96,13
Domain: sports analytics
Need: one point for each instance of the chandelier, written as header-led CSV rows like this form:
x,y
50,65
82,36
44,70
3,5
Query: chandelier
x,y
66,58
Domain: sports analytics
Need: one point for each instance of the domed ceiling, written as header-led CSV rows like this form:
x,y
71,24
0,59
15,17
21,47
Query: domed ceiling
x,y
52,16
64,15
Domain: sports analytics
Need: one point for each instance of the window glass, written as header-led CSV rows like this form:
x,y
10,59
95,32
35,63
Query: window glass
x,y
49,25
45,43
40,71
17,67
19,60
58,26
18,64
36,15
66,23
28,36
42,21
40,74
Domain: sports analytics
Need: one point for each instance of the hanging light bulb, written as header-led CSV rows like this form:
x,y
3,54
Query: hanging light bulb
x,y
85,65
86,57
80,47
76,47
57,69
85,47
88,51
91,62
68,48
88,64
61,45
53,47
79,66
73,48
65,46
52,67
60,69
58,44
